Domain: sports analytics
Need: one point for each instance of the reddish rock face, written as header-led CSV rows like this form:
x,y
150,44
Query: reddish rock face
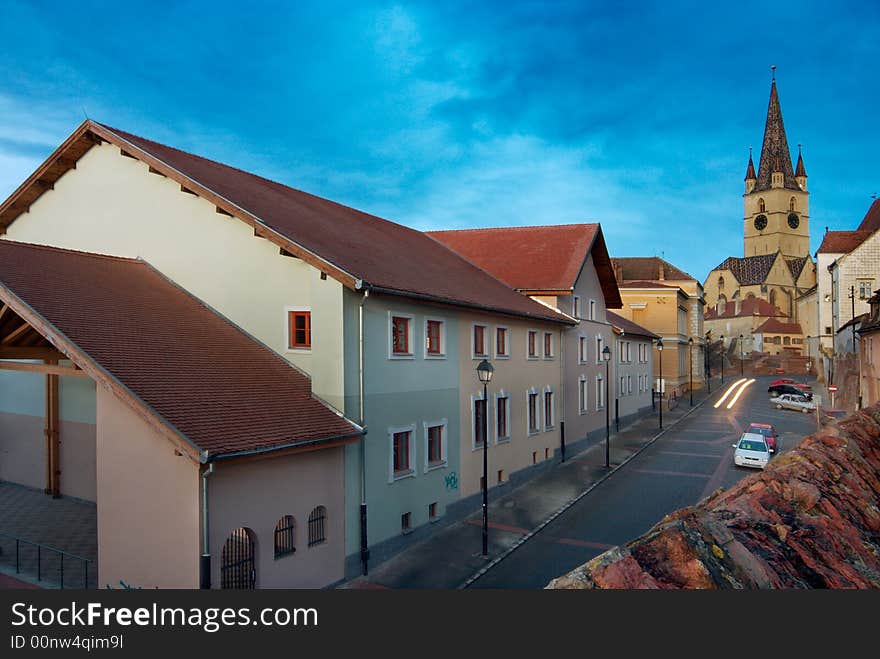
x,y
810,520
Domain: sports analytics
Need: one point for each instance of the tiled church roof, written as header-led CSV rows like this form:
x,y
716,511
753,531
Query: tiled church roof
x,y
750,269
796,266
753,306
775,155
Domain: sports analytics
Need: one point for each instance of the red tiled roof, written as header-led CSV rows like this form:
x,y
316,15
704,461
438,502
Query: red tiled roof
x,y
641,268
199,373
628,326
871,221
753,306
539,258
841,242
381,253
773,326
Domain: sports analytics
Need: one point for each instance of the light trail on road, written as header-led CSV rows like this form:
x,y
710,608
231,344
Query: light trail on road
x,y
739,393
728,392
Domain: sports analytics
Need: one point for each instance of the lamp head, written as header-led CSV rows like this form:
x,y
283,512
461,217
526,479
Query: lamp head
x,y
660,345
485,371
606,353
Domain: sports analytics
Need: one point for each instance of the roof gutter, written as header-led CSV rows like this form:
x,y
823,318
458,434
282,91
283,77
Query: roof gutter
x,y
467,305
280,447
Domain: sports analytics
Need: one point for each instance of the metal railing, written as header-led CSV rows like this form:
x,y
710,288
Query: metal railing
x,y
46,561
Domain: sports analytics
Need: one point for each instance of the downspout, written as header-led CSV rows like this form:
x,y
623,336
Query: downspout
x,y
205,562
365,551
562,394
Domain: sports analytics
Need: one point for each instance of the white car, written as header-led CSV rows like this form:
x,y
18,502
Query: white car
x,y
793,402
751,451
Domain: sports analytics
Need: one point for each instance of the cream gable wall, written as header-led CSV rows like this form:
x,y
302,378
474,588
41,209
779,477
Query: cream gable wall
x,y
112,204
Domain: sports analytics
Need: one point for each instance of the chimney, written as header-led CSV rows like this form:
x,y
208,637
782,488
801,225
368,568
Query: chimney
x,y
661,271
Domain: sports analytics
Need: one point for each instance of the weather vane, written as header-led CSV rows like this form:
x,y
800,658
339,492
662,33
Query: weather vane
x,y
773,71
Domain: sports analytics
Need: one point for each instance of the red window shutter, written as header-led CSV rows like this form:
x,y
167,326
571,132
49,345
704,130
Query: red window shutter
x,y
300,329
501,341
479,340
532,346
434,337
400,335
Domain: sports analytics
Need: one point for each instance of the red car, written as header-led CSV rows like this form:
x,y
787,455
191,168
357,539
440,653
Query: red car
x,y
799,385
768,431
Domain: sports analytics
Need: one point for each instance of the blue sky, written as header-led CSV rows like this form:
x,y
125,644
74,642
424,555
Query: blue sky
x,y
451,115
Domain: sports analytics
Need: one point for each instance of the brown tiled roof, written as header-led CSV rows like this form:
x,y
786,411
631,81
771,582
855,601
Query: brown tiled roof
x,y
643,268
775,155
628,326
198,373
800,170
841,242
644,284
539,258
359,249
773,326
750,170
852,321
871,221
749,269
753,306
796,266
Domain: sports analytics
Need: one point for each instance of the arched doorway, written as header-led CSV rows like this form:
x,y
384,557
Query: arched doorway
x,y
238,569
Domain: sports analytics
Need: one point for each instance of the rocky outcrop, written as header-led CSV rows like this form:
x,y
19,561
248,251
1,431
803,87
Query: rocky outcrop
x,y
810,520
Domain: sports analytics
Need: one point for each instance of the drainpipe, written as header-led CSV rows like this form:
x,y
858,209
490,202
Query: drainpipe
x,y
205,560
365,551
561,403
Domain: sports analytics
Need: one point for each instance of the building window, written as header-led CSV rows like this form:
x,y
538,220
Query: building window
x,y
792,204
761,205
402,453
534,413
284,536
600,393
592,309
238,568
533,344
549,409
435,444
502,345
317,526
502,417
435,341
299,330
621,390
582,350
432,511
865,289
720,283
576,307
479,422
548,345
500,475
479,344
401,336
583,401
629,384
600,344
406,522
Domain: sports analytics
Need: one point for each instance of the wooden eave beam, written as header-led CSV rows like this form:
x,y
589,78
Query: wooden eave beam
x,y
48,369
30,352
14,334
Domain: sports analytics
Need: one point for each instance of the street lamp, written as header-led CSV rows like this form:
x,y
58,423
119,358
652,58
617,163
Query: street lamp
x,y
660,351
722,359
606,357
691,367
484,372
742,355
708,365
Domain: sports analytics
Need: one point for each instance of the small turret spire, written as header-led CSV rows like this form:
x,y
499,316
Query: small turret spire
x,y
750,170
800,170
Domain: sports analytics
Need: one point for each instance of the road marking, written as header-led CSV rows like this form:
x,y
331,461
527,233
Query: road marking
x,y
728,392
660,472
499,526
584,543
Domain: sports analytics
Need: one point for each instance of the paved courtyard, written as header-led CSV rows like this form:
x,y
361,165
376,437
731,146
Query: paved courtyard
x,y
67,524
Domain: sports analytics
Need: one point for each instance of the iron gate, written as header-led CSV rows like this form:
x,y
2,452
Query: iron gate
x,y
238,569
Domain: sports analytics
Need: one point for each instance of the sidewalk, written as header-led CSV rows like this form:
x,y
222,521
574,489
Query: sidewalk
x,y
451,558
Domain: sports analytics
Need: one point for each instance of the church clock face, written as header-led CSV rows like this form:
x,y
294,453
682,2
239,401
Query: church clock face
x,y
793,220
761,222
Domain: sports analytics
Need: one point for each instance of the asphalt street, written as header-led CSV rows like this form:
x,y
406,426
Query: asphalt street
x,y
682,467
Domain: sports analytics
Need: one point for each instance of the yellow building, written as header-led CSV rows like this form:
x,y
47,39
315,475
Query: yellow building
x,y
776,265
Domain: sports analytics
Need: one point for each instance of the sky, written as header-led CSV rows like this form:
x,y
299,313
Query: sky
x,y
442,115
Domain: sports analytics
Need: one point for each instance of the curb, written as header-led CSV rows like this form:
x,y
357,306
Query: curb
x,y
528,536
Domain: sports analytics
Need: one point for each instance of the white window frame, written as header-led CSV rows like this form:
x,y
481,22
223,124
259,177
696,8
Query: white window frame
x,y
600,392
621,386
474,398
549,424
629,385
288,329
552,336
600,346
506,438
583,395
507,335
592,310
538,347
442,322
410,339
444,444
583,356
392,478
487,336
538,409
576,307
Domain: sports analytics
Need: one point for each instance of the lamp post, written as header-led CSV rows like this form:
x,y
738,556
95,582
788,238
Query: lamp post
x,y
742,355
691,367
708,365
606,357
484,373
722,359
660,354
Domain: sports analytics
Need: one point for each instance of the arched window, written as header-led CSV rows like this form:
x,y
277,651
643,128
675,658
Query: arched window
x,y
761,205
720,283
750,296
238,569
792,204
285,536
722,305
317,526
773,296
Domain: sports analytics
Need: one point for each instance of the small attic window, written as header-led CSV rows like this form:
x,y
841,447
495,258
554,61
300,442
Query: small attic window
x,y
761,205
792,204
720,283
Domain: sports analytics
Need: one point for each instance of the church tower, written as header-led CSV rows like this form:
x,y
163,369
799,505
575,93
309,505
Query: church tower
x,y
776,200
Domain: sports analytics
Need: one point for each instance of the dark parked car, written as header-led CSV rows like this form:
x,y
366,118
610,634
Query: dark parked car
x,y
779,389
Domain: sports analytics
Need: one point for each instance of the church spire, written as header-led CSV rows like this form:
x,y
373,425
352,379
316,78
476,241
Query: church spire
x,y
775,156
750,170
800,170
